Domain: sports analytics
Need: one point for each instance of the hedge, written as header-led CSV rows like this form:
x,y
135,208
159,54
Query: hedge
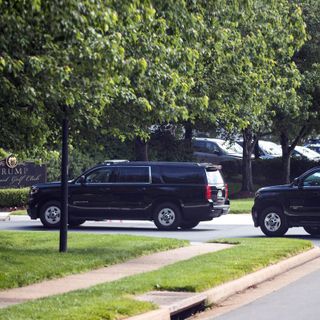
x,y
13,197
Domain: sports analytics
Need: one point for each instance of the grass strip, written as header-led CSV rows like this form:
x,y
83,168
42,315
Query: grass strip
x,y
241,205
115,300
29,257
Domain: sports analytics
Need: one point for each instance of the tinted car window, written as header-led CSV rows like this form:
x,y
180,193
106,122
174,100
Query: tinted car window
x,y
199,146
133,175
214,177
102,175
182,175
312,180
212,148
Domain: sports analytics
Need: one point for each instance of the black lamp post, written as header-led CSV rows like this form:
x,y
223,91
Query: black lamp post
x,y
64,184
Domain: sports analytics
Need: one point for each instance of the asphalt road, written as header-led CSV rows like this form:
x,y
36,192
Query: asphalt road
x,y
229,226
298,300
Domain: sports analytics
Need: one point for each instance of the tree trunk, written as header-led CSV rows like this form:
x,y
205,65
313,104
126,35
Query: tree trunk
x,y
247,181
141,150
287,151
286,157
188,135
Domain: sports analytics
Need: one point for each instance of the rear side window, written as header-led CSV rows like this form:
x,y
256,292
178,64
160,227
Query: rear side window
x,y
214,177
185,175
133,175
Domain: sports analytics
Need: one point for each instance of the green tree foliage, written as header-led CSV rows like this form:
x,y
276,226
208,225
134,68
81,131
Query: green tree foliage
x,y
119,67
296,120
250,67
54,56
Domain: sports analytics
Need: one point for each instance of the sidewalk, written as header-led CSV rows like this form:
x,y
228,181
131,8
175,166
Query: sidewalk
x,y
107,274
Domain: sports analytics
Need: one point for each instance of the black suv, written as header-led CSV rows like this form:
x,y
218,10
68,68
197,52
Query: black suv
x,y
278,208
171,194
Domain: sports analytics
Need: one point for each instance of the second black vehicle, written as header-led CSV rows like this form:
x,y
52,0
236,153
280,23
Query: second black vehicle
x,y
170,194
277,208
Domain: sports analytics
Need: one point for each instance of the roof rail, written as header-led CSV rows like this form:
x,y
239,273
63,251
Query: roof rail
x,y
115,161
211,166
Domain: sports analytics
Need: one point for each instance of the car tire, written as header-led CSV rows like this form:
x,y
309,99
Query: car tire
x,y
314,231
167,216
185,225
273,222
76,222
50,214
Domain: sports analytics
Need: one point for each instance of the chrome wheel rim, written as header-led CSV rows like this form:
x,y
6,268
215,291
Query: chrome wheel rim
x,y
166,216
272,222
52,214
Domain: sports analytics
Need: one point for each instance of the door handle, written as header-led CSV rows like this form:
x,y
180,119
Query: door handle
x,y
104,189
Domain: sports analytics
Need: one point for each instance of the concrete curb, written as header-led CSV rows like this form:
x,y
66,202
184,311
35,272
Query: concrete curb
x,y
228,289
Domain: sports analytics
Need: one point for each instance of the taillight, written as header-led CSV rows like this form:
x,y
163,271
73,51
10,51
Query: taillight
x,y
208,192
226,191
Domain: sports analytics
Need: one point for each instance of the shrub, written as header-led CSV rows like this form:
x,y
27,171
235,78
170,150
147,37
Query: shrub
x,y
270,170
13,197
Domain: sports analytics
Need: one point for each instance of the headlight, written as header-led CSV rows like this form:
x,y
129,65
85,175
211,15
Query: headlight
x,y
257,194
34,190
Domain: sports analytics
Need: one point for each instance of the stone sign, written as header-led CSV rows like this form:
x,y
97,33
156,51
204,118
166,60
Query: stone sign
x,y
25,174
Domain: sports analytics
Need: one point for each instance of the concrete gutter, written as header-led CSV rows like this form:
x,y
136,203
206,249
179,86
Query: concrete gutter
x,y
222,292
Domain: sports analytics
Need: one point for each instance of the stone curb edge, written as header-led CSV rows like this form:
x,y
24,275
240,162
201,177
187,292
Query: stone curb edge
x,y
230,288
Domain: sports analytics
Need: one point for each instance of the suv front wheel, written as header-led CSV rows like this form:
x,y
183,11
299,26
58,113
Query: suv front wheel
x,y
273,222
167,216
50,214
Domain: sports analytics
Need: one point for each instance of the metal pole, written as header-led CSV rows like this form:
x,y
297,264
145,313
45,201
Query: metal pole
x,y
64,186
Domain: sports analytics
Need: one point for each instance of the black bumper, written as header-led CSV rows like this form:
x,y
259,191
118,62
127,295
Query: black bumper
x,y
219,210
254,214
32,212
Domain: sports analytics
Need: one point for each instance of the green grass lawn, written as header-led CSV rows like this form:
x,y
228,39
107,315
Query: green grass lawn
x,y
241,205
115,300
29,257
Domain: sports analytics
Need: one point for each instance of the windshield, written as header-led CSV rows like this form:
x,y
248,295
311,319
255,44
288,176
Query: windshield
x,y
270,148
229,147
310,154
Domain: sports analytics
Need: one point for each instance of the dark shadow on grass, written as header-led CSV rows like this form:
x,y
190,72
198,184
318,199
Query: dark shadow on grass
x,y
110,228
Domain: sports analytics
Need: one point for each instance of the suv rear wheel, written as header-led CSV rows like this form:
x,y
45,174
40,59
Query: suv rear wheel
x,y
273,222
189,224
314,231
167,216
73,222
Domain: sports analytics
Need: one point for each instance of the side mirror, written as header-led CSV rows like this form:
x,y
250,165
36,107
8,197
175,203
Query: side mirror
x,y
82,180
296,182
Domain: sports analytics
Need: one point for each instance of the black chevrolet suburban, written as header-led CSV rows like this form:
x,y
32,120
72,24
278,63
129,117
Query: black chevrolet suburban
x,y
278,208
170,194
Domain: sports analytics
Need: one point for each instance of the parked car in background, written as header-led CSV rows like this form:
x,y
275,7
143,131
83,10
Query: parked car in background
x,y
269,149
313,141
278,208
171,194
216,151
313,146
305,153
